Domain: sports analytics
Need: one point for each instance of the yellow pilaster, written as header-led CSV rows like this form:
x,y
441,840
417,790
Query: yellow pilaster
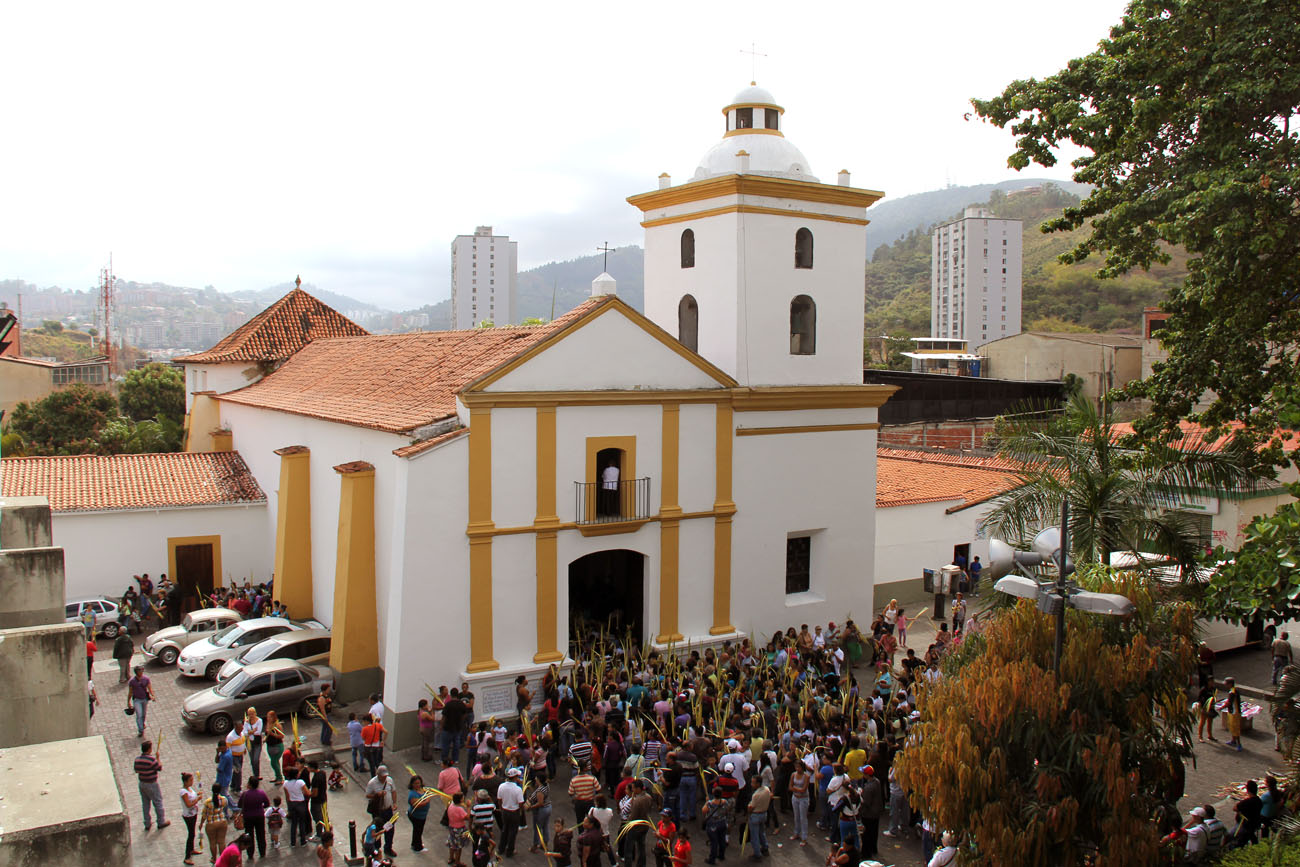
x,y
355,644
546,522
669,528
480,546
202,419
222,441
724,505
293,580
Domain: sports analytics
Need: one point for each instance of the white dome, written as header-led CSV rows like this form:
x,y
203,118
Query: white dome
x,y
771,155
754,95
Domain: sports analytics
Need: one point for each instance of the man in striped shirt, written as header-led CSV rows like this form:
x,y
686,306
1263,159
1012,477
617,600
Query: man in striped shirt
x,y
147,768
483,811
582,790
581,749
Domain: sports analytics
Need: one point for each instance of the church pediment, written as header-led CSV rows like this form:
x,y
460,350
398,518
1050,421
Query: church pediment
x,y
611,348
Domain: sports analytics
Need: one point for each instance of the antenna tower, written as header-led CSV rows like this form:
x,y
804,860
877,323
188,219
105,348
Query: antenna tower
x,y
106,284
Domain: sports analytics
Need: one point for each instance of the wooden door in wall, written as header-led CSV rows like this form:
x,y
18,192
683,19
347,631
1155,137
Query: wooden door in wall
x,y
194,573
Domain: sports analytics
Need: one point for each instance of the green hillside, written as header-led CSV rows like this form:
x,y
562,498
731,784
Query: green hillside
x,y
1056,296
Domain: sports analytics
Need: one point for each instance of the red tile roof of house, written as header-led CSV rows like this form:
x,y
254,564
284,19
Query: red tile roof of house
x,y
1194,436
91,483
279,331
908,478
394,382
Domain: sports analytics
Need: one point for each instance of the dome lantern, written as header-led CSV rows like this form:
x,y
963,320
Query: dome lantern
x,y
754,121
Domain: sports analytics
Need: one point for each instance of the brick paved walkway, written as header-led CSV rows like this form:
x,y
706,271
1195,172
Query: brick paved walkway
x,y
183,750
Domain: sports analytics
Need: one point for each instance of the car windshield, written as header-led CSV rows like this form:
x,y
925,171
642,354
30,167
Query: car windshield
x,y
187,622
225,636
232,687
257,652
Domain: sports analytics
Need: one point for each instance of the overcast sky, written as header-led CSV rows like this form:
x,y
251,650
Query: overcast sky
x,y
238,144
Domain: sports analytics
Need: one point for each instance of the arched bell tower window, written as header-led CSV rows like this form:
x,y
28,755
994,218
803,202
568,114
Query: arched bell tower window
x,y
688,323
688,248
803,249
803,326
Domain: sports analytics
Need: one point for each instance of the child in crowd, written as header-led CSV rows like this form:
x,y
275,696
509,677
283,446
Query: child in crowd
x,y
275,821
337,781
902,627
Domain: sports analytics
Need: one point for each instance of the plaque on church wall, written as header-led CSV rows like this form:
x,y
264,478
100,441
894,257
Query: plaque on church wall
x,y
495,700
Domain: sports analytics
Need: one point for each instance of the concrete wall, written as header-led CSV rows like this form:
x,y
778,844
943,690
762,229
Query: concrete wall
x,y
43,669
25,522
104,549
31,585
939,434
62,806
1032,355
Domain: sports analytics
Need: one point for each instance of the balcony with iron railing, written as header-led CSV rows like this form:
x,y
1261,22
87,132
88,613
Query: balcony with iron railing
x,y
601,508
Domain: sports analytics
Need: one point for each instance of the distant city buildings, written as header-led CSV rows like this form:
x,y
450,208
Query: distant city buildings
x,y
975,271
484,279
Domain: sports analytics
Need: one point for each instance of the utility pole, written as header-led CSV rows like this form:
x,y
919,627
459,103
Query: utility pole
x,y
106,284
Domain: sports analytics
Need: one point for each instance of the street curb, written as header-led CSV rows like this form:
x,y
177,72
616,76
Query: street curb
x,y
1255,692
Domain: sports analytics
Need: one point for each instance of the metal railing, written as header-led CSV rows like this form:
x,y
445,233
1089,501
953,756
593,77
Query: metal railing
x,y
594,503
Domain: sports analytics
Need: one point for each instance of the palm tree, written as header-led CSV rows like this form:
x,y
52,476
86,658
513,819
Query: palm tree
x,y
1121,493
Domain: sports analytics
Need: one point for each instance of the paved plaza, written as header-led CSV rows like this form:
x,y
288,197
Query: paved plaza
x,y
184,750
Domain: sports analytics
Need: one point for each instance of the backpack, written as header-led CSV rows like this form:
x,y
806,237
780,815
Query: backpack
x,y
717,818
1215,834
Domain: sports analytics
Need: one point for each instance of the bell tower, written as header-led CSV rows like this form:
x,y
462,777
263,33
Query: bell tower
x,y
756,264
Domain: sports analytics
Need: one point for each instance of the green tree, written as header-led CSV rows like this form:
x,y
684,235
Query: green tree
x,y
67,422
1037,768
1119,495
124,436
534,320
153,391
1184,115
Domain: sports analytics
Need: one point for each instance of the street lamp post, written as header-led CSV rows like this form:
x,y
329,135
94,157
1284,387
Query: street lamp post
x,y
1051,545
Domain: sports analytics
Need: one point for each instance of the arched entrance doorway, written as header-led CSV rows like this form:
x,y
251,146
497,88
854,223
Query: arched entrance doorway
x,y
607,591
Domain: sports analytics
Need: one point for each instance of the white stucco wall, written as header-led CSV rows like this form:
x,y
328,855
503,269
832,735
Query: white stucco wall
x,y
912,538
744,280
102,550
789,484
257,433
217,377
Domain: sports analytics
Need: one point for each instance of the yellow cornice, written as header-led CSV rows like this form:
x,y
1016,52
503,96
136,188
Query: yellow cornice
x,y
753,105
780,398
772,398
754,131
799,429
755,185
752,209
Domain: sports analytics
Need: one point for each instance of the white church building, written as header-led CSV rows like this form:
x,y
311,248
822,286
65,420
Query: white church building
x,y
455,503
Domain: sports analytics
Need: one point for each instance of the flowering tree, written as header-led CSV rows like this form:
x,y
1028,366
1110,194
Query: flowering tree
x,y
1036,768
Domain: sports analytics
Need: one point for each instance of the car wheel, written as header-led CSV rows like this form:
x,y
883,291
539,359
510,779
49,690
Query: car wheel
x,y
213,669
219,724
308,708
111,630
167,656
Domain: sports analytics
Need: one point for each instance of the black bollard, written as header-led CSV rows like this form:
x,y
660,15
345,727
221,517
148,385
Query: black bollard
x,y
352,840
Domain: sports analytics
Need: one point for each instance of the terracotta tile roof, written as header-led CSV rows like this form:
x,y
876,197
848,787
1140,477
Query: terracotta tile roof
x,y
279,331
90,483
961,459
921,477
1194,436
393,382
424,445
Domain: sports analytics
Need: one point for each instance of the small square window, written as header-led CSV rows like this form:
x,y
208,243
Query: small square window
x,y
798,564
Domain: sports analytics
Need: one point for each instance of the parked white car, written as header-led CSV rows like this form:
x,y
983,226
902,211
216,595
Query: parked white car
x,y
106,613
204,658
166,645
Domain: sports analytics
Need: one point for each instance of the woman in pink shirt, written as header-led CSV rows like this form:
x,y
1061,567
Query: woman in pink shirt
x,y
233,855
449,778
458,833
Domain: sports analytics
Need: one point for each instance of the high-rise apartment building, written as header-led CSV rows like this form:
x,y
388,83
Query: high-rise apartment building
x,y
975,265
484,279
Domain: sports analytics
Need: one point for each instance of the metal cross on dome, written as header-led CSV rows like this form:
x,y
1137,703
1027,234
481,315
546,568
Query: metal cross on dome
x,y
754,54
605,249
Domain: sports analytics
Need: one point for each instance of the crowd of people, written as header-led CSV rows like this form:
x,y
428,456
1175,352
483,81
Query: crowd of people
x,y
727,748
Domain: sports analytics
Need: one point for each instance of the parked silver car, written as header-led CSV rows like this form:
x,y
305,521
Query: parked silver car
x,y
166,645
204,658
285,686
308,646
105,609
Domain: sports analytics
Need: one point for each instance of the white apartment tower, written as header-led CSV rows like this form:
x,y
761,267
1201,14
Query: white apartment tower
x,y
975,265
484,279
